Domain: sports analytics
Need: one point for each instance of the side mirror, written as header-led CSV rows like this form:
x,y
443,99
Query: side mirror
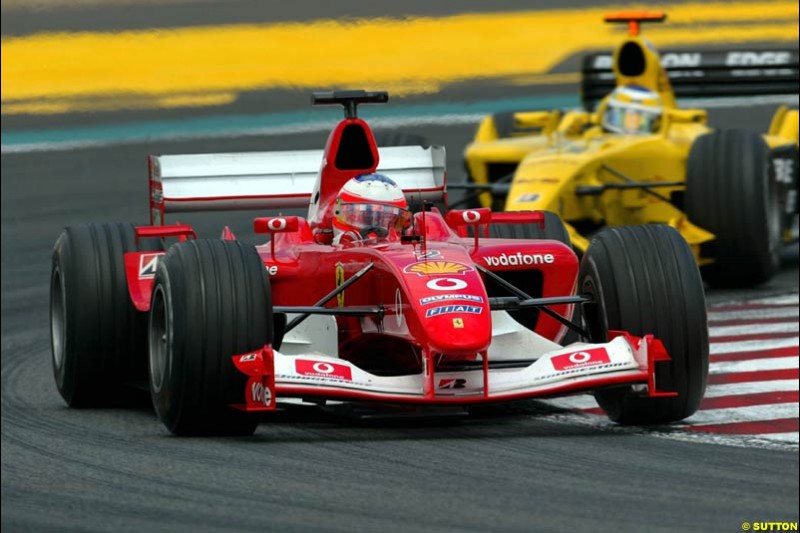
x,y
459,219
275,225
468,217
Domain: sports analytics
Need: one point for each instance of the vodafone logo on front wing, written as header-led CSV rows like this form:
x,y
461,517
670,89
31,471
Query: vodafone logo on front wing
x,y
260,394
581,359
323,369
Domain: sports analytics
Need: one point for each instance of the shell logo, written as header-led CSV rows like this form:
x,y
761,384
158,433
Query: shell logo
x,y
429,268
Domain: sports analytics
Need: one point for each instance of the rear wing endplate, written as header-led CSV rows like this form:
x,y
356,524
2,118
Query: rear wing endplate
x,y
705,73
275,180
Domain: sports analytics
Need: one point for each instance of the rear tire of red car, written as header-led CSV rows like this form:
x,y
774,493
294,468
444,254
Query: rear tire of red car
x,y
98,338
731,191
211,300
554,229
644,280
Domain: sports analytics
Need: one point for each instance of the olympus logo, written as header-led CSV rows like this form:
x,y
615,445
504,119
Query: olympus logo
x,y
519,259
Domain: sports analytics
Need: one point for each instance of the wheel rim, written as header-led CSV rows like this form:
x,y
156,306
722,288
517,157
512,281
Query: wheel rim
x,y
58,318
158,340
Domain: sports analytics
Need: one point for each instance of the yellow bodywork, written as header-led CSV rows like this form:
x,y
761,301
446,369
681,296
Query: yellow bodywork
x,y
555,155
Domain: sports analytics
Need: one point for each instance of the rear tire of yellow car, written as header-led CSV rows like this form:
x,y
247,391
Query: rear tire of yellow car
x,y
98,338
211,301
731,191
644,280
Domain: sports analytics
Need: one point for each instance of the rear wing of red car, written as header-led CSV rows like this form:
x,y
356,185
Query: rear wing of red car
x,y
705,73
275,180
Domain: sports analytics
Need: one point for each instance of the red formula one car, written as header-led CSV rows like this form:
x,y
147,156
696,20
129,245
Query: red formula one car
x,y
435,314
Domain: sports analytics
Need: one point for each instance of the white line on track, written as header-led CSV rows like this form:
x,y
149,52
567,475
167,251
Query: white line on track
x,y
587,401
769,363
775,312
752,346
753,387
729,415
750,329
789,437
776,441
785,299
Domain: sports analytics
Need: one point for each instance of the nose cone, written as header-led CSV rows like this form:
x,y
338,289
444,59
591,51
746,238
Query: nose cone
x,y
452,306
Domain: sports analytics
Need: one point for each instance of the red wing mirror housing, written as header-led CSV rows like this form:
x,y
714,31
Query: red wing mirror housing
x,y
468,217
276,225
459,219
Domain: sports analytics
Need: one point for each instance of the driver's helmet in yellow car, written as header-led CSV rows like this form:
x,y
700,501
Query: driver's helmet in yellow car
x,y
633,109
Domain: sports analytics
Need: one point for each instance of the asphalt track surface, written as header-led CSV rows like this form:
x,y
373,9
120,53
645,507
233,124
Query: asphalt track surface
x,y
513,468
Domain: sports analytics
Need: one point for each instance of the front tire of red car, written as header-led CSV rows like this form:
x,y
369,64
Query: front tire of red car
x,y
644,280
210,301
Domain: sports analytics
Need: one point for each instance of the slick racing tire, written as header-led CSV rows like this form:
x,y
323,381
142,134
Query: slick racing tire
x,y
554,229
731,191
644,280
211,300
98,338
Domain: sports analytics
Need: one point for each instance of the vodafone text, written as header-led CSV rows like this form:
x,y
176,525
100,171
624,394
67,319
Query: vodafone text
x,y
519,259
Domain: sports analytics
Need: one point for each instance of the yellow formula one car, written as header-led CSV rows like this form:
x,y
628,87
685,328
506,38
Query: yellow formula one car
x,y
639,159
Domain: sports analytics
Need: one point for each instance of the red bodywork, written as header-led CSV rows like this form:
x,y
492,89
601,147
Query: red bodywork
x,y
434,304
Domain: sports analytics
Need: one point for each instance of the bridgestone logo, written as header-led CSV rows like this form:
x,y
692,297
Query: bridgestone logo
x,y
784,170
519,259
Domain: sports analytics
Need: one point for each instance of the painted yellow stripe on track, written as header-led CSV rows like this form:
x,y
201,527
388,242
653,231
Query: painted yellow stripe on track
x,y
402,55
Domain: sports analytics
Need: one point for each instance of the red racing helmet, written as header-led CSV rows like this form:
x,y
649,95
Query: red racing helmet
x,y
369,204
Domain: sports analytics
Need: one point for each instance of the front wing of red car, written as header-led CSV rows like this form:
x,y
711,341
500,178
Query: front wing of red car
x,y
579,367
